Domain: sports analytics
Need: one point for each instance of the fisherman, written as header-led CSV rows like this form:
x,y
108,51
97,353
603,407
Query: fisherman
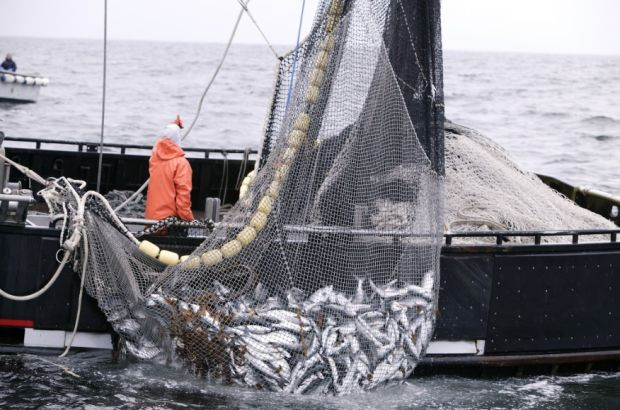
x,y
8,64
171,177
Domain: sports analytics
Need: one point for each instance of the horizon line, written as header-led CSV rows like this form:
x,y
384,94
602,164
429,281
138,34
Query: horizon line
x,y
291,46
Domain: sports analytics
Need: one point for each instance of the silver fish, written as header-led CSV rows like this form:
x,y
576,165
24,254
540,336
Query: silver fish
x,y
386,369
260,293
292,327
281,315
280,338
413,301
262,367
364,330
209,320
142,351
335,350
306,384
347,328
353,344
294,297
321,295
326,332
333,369
360,295
128,327
250,329
428,281
388,293
352,376
348,309
409,345
221,290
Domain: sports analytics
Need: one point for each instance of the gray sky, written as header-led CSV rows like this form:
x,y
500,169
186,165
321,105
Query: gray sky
x,y
548,26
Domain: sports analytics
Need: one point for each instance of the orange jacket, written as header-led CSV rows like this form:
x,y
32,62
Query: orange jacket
x,y
171,182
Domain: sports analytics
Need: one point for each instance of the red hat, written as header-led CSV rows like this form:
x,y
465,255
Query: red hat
x,y
178,121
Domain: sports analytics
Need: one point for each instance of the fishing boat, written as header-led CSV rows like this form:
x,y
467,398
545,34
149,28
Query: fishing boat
x,y
503,307
21,88
508,297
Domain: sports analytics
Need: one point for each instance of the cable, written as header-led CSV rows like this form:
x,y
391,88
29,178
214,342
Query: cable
x,y
245,7
199,109
217,69
105,63
290,86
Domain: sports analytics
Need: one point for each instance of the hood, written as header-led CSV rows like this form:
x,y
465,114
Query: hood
x,y
166,149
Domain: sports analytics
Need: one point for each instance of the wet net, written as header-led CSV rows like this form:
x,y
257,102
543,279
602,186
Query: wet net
x,y
324,276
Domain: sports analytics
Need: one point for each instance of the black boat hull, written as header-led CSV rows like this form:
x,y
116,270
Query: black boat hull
x,y
499,306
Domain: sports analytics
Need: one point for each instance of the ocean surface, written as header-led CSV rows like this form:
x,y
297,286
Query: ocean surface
x,y
557,115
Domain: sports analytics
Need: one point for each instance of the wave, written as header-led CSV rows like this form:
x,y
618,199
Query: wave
x,y
601,120
602,137
548,114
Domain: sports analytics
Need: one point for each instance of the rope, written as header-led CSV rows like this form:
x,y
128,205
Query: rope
x,y
133,196
243,167
474,220
217,69
64,368
199,109
105,61
79,311
44,289
296,55
26,171
245,7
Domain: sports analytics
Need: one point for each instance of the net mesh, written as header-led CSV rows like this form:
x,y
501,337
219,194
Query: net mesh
x,y
323,277
486,190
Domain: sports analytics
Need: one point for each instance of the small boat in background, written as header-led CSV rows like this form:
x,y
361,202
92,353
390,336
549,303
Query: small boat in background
x,y
20,87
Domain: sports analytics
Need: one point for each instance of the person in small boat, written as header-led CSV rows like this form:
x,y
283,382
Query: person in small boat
x,y
170,185
8,64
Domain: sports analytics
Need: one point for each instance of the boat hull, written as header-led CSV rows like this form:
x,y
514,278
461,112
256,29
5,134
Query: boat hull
x,y
499,306
19,93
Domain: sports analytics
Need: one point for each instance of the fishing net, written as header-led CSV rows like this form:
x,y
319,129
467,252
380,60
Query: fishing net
x,y
486,190
324,276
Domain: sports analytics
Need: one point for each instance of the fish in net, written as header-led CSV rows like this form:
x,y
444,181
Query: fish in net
x,y
324,276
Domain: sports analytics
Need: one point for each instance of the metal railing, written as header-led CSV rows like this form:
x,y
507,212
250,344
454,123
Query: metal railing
x,y
501,236
92,147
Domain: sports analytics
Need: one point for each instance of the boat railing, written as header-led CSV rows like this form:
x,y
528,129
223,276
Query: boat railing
x,y
112,148
501,236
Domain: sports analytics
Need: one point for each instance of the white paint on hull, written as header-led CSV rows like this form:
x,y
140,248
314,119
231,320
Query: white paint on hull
x,y
60,339
19,92
467,347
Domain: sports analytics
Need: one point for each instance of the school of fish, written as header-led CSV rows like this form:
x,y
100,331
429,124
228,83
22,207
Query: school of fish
x,y
325,342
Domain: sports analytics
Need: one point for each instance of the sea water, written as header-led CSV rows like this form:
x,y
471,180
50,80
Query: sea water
x,y
556,115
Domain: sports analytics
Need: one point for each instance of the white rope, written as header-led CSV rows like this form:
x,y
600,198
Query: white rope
x,y
44,289
26,171
133,196
79,311
66,369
